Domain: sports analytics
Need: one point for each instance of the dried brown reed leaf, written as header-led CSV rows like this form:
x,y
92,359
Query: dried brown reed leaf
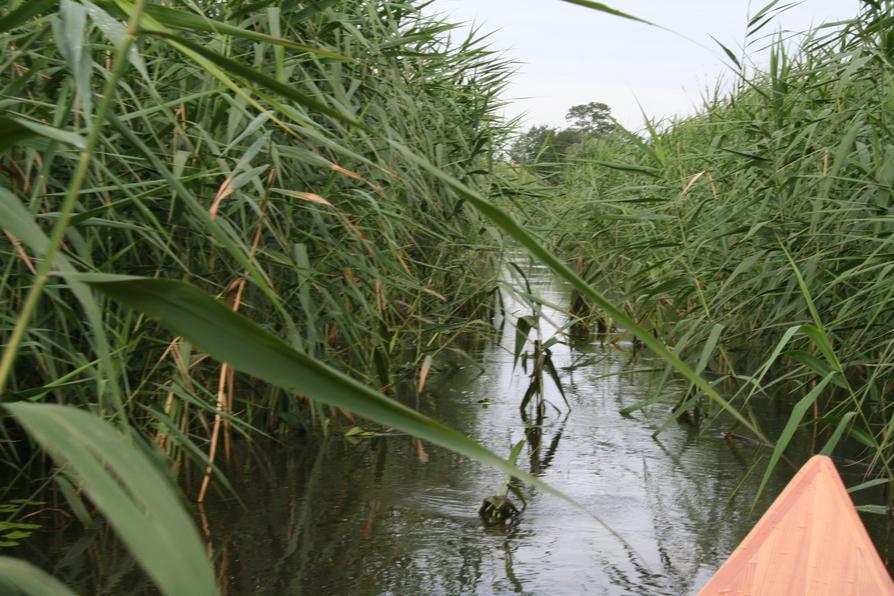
x,y
20,250
355,176
421,453
225,190
692,181
423,372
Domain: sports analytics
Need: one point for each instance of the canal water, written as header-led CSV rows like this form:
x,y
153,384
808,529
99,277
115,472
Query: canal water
x,y
379,516
384,514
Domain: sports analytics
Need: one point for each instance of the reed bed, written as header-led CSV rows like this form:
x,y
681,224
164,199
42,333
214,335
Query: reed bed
x,y
318,231
255,177
755,237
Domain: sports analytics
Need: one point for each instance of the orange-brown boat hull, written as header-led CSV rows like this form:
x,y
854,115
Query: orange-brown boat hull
x,y
811,541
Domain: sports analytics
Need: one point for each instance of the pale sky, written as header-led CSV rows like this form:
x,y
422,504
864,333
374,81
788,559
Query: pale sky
x,y
572,55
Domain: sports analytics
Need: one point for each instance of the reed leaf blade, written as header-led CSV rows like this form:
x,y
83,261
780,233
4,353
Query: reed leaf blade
x,y
138,500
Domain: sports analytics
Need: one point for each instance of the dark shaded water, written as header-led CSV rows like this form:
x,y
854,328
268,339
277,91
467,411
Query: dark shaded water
x,y
369,516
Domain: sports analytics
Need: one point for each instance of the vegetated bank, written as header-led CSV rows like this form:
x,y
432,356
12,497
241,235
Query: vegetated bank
x,y
272,154
755,237
356,255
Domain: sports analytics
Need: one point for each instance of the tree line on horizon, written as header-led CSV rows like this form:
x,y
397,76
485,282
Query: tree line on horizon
x,y
545,146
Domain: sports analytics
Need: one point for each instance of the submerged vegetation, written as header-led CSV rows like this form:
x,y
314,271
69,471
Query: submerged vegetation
x,y
226,219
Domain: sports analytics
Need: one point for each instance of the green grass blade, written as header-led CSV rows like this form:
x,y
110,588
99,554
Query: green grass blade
x,y
14,130
628,167
607,9
818,334
708,349
523,327
138,500
20,577
24,12
868,484
830,445
791,426
729,53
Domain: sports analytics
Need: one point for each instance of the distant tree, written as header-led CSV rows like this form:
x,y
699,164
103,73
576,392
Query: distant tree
x,y
565,139
548,145
592,118
534,145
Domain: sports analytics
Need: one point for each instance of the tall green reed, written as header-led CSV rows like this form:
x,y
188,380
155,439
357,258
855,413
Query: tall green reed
x,y
269,156
755,236
193,167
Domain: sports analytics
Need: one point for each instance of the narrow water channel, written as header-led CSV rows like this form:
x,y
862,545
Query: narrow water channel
x,y
379,515
375,518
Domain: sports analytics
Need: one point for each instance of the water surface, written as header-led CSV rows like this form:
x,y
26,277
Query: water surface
x,y
374,518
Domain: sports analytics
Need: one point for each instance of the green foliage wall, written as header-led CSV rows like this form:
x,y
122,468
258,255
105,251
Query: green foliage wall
x,y
755,236
248,152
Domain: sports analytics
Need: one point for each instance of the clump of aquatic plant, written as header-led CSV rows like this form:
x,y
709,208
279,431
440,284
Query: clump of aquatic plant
x,y
527,330
498,509
541,364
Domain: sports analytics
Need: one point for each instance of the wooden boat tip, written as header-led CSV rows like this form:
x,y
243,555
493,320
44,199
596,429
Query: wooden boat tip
x,y
810,541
